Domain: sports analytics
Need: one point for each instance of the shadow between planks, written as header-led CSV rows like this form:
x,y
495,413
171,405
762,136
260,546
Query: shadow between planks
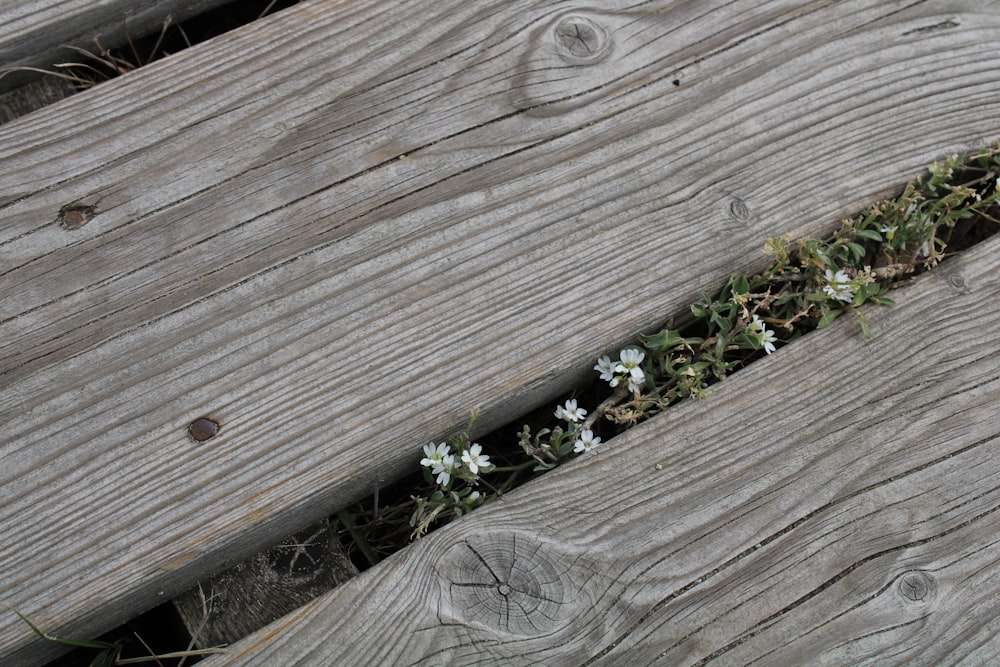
x,y
37,33
338,230
835,503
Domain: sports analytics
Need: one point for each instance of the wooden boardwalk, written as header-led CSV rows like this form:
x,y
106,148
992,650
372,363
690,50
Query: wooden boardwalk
x,y
339,229
832,504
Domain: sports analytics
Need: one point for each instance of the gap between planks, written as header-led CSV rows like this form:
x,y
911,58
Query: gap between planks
x,y
834,503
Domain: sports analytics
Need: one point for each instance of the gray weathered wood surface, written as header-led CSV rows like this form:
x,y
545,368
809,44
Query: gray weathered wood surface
x,y
339,230
836,503
35,33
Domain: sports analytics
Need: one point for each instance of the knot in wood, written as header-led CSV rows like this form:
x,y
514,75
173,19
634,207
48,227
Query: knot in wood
x,y
580,40
739,210
75,216
505,582
957,281
917,586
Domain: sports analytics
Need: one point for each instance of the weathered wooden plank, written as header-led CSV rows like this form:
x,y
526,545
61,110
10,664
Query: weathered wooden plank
x,y
835,503
35,33
338,231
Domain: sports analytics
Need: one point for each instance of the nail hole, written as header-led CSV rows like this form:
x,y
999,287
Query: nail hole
x,y
203,428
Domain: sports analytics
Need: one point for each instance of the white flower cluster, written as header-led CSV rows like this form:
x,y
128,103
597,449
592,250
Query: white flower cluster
x,y
585,440
626,369
443,463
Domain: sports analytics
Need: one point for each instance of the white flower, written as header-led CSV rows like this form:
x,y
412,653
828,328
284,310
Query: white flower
x,y
434,454
889,232
764,335
838,286
636,380
628,369
630,358
606,367
474,459
444,469
767,340
570,412
586,441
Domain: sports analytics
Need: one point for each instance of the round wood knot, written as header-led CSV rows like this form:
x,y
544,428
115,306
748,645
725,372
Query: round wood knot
x,y
75,216
739,210
581,41
917,586
580,57
505,582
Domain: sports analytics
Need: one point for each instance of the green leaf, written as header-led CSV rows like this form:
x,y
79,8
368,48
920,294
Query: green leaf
x,y
721,323
869,234
857,250
739,284
662,341
864,324
112,649
828,316
747,341
359,539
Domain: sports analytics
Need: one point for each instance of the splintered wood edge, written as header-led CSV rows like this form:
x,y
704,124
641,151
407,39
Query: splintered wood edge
x,y
828,504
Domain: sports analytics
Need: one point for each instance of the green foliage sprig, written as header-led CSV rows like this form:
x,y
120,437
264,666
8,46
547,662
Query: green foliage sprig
x,y
809,284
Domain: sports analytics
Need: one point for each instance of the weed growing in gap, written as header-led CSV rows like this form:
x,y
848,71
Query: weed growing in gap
x,y
809,284
109,654
103,64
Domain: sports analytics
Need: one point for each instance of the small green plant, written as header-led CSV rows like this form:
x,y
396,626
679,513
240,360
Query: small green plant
x,y
808,285
452,469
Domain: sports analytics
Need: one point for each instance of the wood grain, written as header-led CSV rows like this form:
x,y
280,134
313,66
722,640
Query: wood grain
x,y
340,229
36,33
835,503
